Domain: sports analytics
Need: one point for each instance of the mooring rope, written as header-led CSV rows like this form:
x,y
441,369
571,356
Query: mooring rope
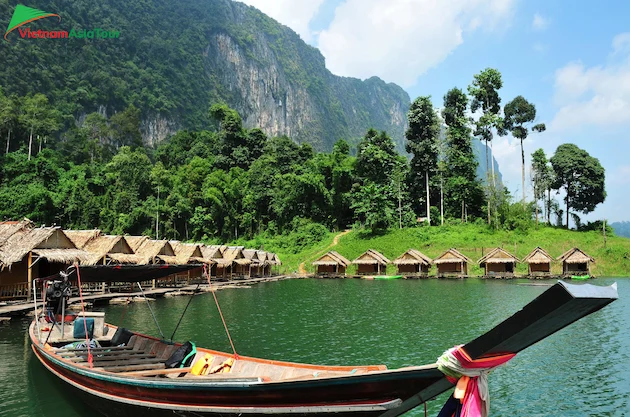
x,y
221,313
471,377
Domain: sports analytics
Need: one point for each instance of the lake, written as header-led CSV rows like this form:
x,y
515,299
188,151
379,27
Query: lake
x,y
583,370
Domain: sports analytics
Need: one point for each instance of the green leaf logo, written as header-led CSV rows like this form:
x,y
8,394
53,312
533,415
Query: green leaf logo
x,y
23,15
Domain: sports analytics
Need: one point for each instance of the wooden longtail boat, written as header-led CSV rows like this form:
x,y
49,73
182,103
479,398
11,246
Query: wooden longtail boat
x,y
131,378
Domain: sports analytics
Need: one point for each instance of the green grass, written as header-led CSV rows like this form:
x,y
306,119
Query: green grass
x,y
473,241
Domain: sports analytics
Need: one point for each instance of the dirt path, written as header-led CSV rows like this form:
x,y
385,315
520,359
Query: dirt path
x,y
301,268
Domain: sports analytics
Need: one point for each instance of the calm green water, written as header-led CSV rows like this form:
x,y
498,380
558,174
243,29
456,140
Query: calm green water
x,y
583,370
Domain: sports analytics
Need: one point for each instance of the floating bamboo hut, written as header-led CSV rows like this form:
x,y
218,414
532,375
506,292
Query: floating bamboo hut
x,y
187,253
218,266
240,264
109,249
80,238
538,263
452,263
155,252
575,262
371,262
499,263
331,264
32,253
257,265
263,264
413,263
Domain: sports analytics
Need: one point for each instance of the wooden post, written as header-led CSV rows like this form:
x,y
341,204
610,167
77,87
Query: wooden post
x,y
29,274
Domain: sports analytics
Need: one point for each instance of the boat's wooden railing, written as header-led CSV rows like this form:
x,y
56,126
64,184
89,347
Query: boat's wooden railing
x,y
14,291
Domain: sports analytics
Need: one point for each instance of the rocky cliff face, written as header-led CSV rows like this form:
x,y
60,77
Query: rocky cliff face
x,y
173,60
280,84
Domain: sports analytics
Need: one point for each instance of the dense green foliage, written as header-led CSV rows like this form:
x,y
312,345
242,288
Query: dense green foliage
x,y
474,240
422,144
517,114
580,176
460,183
166,65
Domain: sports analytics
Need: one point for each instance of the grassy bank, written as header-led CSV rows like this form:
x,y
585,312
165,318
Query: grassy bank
x,y
473,241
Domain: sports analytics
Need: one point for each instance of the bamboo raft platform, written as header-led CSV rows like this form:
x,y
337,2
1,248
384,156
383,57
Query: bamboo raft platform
x,y
23,308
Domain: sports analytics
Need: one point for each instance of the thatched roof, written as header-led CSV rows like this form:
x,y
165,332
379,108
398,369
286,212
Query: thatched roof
x,y
10,227
123,258
233,252
277,259
332,258
187,252
538,256
167,259
80,238
413,257
22,242
63,256
450,256
251,254
103,245
262,258
370,257
575,256
211,252
136,241
150,249
498,256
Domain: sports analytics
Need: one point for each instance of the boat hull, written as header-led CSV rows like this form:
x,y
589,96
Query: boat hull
x,y
367,394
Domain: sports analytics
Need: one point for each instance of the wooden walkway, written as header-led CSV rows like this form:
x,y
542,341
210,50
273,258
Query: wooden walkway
x,y
25,307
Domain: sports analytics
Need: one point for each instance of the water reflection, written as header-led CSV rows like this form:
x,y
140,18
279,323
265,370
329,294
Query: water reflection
x,y
583,370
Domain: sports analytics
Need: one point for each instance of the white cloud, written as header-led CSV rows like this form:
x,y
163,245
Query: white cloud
x,y
294,14
539,22
399,40
595,96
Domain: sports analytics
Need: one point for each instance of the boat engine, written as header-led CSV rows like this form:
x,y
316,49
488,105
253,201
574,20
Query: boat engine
x,y
56,294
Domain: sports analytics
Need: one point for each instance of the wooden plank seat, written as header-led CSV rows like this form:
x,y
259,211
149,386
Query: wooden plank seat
x,y
116,358
139,367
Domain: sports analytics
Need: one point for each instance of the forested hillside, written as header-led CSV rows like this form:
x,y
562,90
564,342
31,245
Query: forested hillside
x,y
174,59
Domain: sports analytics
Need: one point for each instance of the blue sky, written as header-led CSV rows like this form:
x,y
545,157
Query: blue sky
x,y
570,58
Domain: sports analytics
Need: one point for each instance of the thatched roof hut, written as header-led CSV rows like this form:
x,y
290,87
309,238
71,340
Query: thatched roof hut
x,y
80,238
46,242
136,241
240,264
413,262
371,262
452,263
276,259
34,253
539,262
499,262
187,252
107,248
575,262
155,251
331,263
10,227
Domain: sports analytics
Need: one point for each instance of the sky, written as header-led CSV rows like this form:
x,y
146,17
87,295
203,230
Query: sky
x,y
571,59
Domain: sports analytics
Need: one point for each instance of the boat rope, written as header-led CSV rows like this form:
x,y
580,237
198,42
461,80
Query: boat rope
x,y
87,336
182,316
471,379
216,301
151,310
